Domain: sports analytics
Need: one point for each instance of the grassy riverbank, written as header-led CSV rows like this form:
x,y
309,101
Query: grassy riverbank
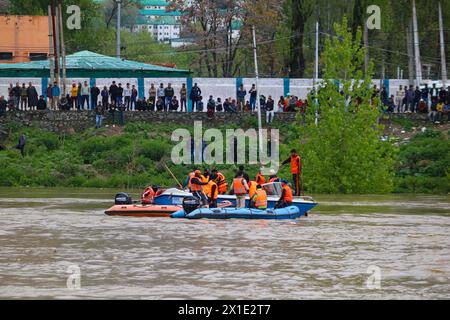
x,y
133,156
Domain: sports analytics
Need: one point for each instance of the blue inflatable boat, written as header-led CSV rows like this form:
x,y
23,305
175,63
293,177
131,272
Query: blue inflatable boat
x,y
234,213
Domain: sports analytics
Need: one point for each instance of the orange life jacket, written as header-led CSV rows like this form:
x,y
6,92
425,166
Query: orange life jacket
x,y
295,164
261,199
222,183
210,185
195,186
238,186
191,175
148,195
206,187
252,189
260,179
288,197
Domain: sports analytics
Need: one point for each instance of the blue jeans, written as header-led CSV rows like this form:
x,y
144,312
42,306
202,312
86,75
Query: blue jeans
x,y
93,102
167,103
98,120
133,103
253,103
118,101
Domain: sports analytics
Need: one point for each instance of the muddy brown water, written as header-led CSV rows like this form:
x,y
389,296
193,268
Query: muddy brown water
x,y
58,244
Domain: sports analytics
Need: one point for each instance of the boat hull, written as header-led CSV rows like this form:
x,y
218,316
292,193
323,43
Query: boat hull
x,y
175,197
152,211
288,213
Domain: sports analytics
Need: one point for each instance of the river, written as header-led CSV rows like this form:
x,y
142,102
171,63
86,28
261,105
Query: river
x,y
58,244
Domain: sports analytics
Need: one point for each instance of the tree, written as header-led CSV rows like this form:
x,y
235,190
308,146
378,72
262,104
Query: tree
x,y
344,152
129,12
301,10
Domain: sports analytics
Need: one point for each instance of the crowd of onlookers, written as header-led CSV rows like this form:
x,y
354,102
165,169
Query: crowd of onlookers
x,y
429,100
117,98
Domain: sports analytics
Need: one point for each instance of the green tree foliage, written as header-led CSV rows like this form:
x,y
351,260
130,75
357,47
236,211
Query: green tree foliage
x,y
424,164
344,153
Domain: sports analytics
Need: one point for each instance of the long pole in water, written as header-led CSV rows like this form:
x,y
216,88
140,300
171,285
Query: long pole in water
x,y
441,35
118,29
258,105
417,46
63,48
51,53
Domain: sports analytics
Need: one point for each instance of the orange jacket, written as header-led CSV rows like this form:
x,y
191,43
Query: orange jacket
x,y
260,179
260,199
239,186
252,188
287,194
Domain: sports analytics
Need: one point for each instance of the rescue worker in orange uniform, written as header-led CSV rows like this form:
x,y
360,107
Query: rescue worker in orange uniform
x,y
252,188
259,199
286,196
197,183
187,181
240,189
221,181
213,192
260,178
296,170
148,195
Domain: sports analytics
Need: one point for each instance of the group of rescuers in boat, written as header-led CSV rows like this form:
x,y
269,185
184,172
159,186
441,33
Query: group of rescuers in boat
x,y
208,186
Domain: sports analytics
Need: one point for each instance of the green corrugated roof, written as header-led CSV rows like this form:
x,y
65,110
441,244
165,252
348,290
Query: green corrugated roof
x,y
159,12
157,21
153,2
92,65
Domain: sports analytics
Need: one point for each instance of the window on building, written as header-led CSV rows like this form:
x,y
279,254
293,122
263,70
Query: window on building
x,y
6,56
36,56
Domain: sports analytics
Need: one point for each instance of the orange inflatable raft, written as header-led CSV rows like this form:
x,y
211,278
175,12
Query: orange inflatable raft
x,y
140,210
124,206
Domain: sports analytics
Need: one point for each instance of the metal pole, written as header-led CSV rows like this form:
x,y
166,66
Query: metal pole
x,y
316,65
63,48
258,105
410,53
55,47
118,28
417,46
443,62
51,53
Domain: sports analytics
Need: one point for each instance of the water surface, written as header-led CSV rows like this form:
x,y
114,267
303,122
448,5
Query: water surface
x,y
46,232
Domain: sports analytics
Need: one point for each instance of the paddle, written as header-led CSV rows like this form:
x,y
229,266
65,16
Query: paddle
x,y
173,176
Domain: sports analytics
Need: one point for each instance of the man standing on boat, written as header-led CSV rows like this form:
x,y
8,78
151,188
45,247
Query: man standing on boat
x,y
197,184
221,181
296,170
260,178
240,189
213,192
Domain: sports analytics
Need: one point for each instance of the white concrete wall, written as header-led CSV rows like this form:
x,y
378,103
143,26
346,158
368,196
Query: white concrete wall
x,y
221,87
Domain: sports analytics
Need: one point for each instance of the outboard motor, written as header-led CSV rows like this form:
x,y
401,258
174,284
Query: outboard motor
x,y
190,204
123,199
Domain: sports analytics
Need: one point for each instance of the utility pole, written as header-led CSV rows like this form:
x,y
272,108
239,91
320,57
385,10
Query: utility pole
x,y
417,46
258,105
63,48
442,40
316,65
410,53
119,4
55,47
51,57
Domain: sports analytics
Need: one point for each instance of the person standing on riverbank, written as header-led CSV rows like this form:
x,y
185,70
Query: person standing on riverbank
x,y
56,93
99,110
21,145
